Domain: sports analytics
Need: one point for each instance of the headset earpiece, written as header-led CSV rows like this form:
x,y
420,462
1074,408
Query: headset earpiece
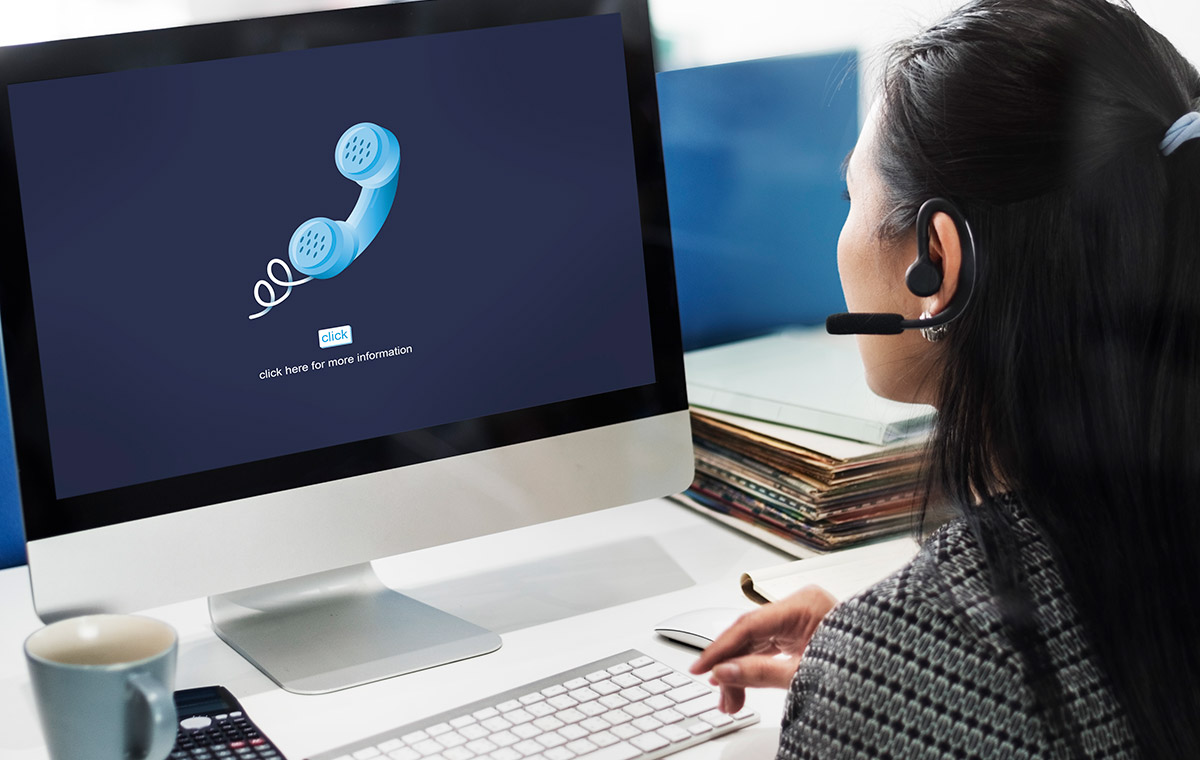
x,y
923,277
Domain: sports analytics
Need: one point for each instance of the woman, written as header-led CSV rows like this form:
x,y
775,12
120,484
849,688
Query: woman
x,y
1056,615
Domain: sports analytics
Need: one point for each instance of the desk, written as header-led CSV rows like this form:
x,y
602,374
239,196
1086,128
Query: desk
x,y
560,594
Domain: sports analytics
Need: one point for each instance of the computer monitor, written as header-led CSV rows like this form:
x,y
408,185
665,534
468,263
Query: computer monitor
x,y
286,295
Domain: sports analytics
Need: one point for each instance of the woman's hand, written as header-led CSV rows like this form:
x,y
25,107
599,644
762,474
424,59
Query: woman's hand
x,y
748,653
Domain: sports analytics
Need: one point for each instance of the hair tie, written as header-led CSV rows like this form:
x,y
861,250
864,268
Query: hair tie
x,y
1187,128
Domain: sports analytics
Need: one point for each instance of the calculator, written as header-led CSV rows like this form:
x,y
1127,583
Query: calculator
x,y
213,726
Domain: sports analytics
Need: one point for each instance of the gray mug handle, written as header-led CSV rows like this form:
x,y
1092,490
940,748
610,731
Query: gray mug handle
x,y
160,703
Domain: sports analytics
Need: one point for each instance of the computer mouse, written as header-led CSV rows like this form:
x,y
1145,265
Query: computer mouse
x,y
698,628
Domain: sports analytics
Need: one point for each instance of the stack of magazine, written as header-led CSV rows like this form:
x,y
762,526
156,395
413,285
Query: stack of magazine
x,y
845,467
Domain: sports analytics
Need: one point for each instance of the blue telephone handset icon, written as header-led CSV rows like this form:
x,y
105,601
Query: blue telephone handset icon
x,y
322,248
370,155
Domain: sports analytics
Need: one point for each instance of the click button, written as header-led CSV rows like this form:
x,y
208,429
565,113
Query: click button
x,y
335,336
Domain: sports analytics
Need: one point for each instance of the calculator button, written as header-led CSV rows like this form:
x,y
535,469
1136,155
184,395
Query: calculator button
x,y
195,723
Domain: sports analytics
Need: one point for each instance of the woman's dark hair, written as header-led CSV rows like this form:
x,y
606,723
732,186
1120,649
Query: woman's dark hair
x,y
1074,377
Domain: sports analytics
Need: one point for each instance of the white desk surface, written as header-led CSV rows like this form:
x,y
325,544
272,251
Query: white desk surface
x,y
560,594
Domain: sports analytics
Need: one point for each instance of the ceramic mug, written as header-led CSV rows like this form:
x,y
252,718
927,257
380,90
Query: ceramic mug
x,y
103,687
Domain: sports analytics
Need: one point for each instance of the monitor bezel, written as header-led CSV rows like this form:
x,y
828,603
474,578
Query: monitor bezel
x,y
46,516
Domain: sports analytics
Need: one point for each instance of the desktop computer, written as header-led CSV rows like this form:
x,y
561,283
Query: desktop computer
x,y
286,295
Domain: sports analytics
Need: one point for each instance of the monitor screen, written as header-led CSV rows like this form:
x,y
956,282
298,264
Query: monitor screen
x,y
253,272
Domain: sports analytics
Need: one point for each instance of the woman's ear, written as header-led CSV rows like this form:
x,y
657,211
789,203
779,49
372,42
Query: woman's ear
x,y
945,251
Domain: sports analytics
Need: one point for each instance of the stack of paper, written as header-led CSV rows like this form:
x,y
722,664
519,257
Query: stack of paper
x,y
823,492
773,422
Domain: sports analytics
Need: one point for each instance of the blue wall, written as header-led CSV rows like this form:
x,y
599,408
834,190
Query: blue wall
x,y
12,538
753,154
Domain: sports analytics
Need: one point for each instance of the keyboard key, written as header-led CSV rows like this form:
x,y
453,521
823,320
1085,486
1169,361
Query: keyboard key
x,y
404,753
529,699
474,731
518,716
485,713
617,717
620,751
506,753
657,686
650,672
647,723
582,747
592,709
571,716
604,688
367,754
638,709
553,691
508,706
626,680
614,701
649,742
391,745
559,753
583,695
603,738
626,730
428,747
617,670
698,705
699,727
576,683
548,723
640,662
716,718
668,716
676,679
462,720
551,739
451,739
481,746
659,702
562,702
592,725
572,732
496,724
674,734
458,753
505,738
527,748
596,675
526,730
438,729
688,692
636,694
539,709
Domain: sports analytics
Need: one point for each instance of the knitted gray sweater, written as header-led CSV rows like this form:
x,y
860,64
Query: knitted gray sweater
x,y
919,666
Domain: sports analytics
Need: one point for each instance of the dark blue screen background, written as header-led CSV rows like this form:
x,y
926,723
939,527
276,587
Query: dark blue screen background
x,y
153,199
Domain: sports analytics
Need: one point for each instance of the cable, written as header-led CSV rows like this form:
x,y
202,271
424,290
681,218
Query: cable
x,y
286,285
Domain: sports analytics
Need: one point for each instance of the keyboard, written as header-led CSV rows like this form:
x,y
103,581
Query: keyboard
x,y
625,707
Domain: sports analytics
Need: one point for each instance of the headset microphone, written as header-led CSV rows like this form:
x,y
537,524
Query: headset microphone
x,y
923,279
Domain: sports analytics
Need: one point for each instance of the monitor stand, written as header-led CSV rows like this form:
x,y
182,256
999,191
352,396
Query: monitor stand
x,y
341,628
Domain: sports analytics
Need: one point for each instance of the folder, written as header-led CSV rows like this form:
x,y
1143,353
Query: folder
x,y
801,378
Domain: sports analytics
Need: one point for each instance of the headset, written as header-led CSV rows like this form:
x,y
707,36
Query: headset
x,y
322,248
923,279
